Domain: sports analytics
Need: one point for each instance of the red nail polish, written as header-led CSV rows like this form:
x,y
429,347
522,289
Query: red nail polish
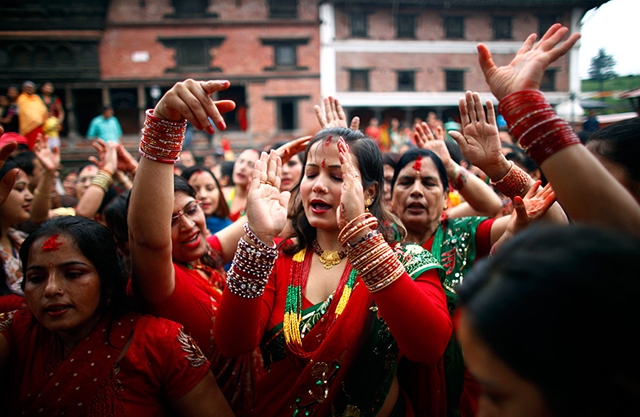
x,y
210,130
222,125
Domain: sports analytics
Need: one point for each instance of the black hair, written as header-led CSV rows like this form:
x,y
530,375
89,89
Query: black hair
x,y
369,160
226,170
558,304
96,243
390,158
223,209
619,143
413,154
25,161
454,151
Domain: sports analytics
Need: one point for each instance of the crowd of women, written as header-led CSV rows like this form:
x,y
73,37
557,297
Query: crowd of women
x,y
350,283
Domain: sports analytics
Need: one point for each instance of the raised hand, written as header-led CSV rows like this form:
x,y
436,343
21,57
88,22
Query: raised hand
x,y
266,205
289,149
352,197
531,208
126,162
526,70
107,155
333,115
50,159
479,141
191,100
433,141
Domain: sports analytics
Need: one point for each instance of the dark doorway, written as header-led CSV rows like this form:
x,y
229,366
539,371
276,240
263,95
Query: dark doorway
x,y
87,103
125,107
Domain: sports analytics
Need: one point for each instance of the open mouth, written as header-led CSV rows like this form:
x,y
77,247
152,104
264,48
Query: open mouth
x,y
416,207
319,206
193,240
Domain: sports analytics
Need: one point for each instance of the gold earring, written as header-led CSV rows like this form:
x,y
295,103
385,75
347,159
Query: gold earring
x,y
367,203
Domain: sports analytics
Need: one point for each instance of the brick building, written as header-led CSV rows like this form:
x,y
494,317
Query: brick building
x,y
393,58
405,58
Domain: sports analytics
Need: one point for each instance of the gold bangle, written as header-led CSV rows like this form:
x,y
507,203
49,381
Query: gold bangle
x,y
43,195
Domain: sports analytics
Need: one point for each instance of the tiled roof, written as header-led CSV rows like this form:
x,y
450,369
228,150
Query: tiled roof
x,y
510,4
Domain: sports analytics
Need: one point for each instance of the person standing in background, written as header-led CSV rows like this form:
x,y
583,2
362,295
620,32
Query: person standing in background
x,y
105,127
52,101
9,119
33,113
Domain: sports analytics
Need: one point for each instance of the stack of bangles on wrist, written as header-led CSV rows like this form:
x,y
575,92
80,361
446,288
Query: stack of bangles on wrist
x,y
514,183
461,178
363,222
251,266
161,139
103,179
376,262
535,125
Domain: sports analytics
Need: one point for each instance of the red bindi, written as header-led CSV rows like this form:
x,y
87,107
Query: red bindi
x,y
323,163
51,244
417,165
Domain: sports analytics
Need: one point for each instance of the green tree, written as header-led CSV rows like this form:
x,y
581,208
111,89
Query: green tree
x,y
601,68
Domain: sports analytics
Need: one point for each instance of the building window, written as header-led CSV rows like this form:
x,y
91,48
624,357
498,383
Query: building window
x,y
406,26
359,25
192,54
548,80
502,27
406,81
454,80
285,53
545,22
287,114
359,80
283,9
454,27
190,7
20,56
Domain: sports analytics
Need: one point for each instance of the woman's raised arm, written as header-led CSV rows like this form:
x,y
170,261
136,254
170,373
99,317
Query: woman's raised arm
x,y
151,205
586,190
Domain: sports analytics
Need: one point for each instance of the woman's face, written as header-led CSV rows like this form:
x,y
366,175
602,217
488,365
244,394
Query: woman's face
x,y
69,183
504,393
418,195
388,179
321,186
207,191
188,229
243,167
17,206
84,179
291,172
62,287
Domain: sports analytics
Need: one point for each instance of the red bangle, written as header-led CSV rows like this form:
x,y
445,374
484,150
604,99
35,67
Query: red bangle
x,y
534,124
513,183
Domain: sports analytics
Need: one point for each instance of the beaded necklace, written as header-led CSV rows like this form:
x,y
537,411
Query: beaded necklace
x,y
293,305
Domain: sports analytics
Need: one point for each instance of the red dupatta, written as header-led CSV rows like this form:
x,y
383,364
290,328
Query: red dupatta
x,y
51,385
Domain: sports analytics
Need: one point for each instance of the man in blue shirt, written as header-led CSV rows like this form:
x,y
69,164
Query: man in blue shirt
x,y
105,127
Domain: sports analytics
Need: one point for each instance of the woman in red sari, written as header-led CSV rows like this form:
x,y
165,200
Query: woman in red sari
x,y
81,349
335,310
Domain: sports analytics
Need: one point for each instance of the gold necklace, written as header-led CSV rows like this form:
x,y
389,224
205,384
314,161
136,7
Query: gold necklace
x,y
328,258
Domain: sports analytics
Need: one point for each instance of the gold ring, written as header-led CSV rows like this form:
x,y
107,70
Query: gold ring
x,y
267,182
